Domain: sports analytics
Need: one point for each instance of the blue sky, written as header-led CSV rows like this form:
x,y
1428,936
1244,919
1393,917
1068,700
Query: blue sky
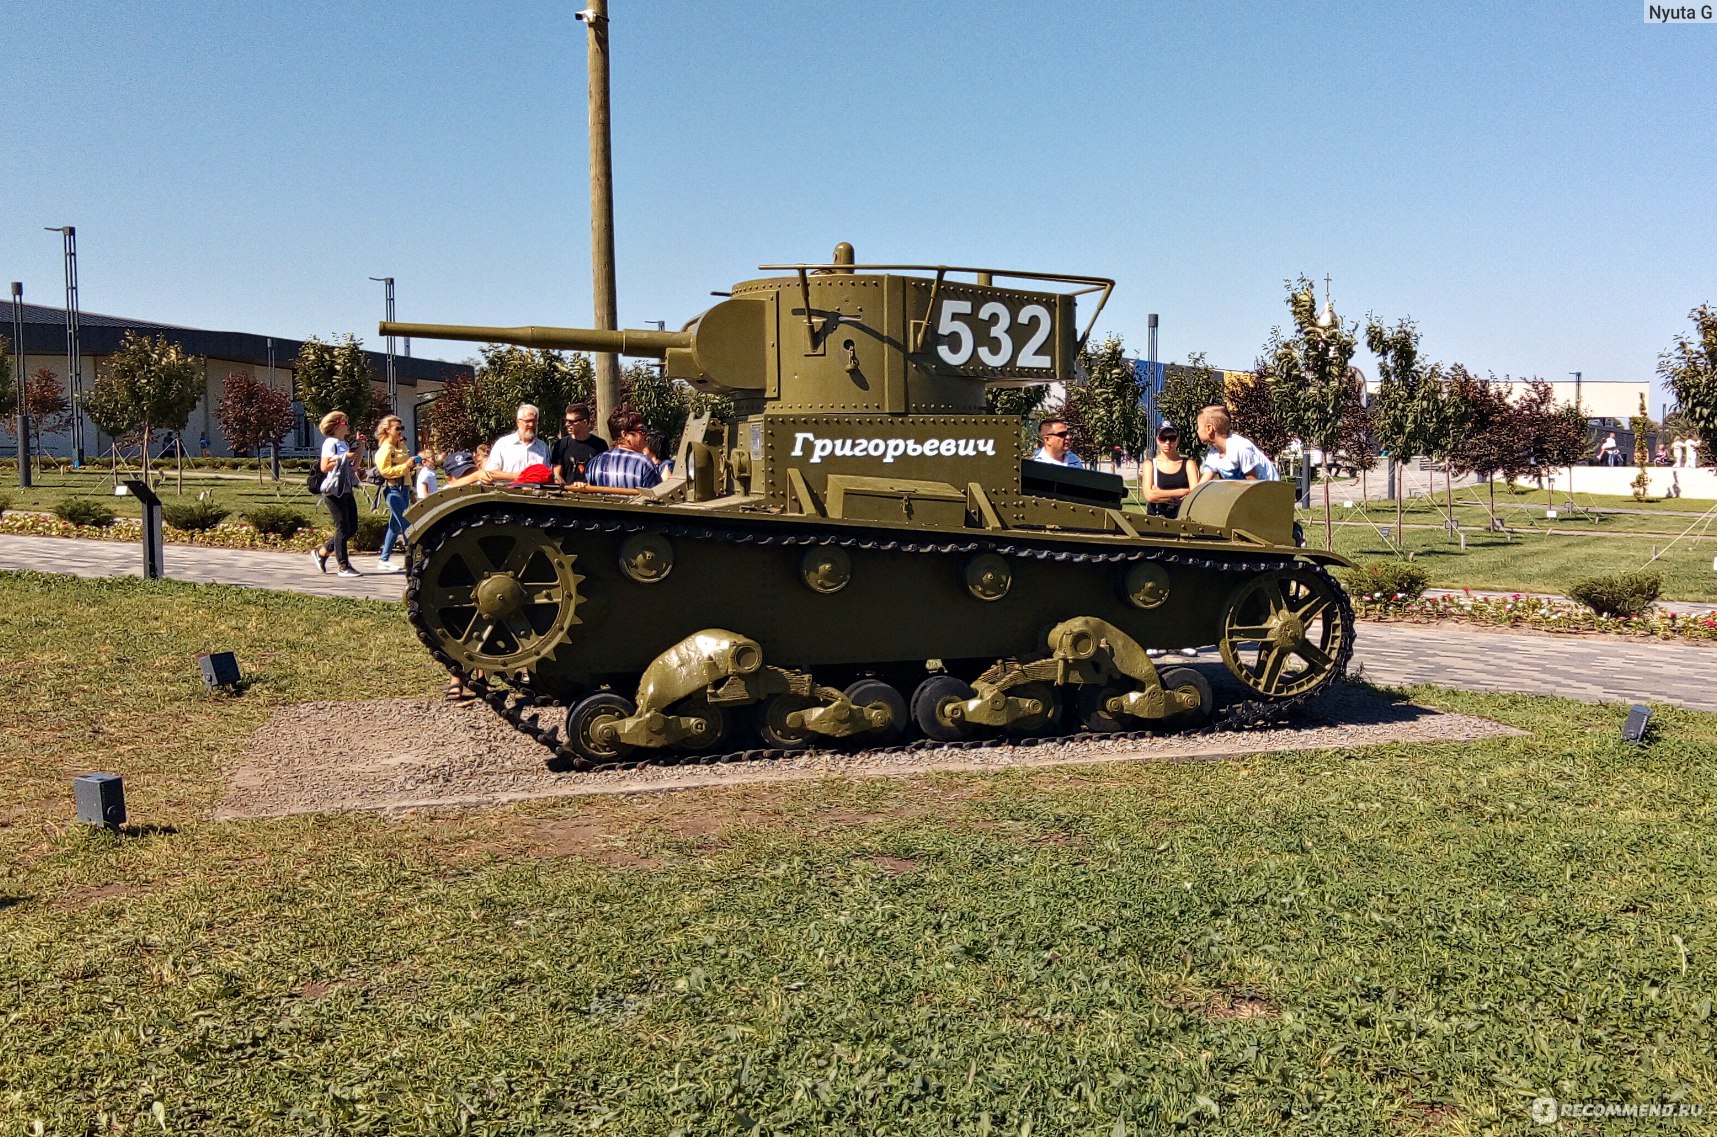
x,y
1536,184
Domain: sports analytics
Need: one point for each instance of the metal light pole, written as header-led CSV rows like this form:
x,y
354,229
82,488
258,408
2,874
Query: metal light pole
x,y
74,355
1156,384
393,381
595,20
18,371
273,447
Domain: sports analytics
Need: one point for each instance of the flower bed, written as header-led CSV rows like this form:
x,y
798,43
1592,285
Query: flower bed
x,y
232,536
1541,613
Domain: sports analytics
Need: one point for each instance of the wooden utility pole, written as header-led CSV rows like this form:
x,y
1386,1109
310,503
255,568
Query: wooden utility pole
x,y
595,19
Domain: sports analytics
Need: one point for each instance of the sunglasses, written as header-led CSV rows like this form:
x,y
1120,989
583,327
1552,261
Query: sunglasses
x,y
1056,434
576,421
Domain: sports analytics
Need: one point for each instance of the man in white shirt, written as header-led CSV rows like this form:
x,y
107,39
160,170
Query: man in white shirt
x,y
1052,433
513,452
1229,455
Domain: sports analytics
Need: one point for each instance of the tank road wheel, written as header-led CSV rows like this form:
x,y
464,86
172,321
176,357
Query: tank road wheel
x,y
1091,706
1286,632
930,703
585,724
867,691
1045,721
773,726
1179,680
501,598
718,724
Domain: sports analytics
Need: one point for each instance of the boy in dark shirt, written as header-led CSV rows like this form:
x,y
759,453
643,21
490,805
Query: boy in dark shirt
x,y
574,449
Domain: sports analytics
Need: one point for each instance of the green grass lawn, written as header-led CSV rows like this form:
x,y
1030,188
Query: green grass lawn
x,y
1408,939
1537,563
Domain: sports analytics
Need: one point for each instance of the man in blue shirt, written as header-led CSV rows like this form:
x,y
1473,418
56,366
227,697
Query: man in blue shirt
x,y
624,465
1229,455
1052,432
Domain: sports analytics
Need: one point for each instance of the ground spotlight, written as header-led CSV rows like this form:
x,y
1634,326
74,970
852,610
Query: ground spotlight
x,y
1638,722
100,799
220,669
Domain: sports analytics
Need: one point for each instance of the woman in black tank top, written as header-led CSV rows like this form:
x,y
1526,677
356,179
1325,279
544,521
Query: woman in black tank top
x,y
1168,477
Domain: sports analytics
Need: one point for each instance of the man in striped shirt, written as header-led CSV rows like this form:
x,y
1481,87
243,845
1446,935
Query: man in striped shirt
x,y
624,465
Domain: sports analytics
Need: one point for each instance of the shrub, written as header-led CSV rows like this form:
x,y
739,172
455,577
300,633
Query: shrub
x,y
1623,594
371,528
193,516
1391,582
281,520
85,511
5,503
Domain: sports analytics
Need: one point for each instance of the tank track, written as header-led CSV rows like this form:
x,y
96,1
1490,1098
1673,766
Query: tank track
x,y
515,702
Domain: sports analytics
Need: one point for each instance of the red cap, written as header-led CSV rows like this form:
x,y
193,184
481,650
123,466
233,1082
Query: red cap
x,y
535,475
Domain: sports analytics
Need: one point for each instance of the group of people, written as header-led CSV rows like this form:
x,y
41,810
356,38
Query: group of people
x,y
578,457
1683,452
1169,476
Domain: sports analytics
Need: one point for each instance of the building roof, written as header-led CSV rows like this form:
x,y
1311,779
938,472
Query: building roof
x,y
45,334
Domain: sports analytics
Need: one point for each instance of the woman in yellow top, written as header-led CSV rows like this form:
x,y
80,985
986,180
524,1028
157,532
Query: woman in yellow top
x,y
395,463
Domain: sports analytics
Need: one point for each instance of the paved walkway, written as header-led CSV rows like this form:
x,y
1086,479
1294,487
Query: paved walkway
x,y
293,572
1589,668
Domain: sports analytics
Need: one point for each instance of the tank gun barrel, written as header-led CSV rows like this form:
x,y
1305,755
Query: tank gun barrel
x,y
629,341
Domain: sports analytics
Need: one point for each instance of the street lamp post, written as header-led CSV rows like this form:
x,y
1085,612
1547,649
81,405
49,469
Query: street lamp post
x,y
393,381
595,19
74,354
18,371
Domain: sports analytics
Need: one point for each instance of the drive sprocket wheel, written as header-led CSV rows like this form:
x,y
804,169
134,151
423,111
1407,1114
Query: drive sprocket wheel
x,y
1286,632
500,598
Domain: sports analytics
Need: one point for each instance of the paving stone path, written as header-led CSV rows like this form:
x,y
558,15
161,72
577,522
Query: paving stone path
x,y
1589,668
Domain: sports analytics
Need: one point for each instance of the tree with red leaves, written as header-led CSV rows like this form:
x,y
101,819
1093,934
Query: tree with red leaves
x,y
252,414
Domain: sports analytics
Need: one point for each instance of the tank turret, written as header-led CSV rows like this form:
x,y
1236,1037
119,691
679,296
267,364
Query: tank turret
x,y
844,338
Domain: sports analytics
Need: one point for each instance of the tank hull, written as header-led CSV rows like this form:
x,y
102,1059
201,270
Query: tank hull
x,y
904,604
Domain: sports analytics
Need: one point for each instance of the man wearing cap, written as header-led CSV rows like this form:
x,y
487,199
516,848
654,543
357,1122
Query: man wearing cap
x,y
624,465
512,453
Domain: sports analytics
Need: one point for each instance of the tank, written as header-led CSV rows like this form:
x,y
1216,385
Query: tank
x,y
865,555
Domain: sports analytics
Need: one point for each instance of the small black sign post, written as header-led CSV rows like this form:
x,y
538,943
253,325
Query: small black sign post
x,y
153,564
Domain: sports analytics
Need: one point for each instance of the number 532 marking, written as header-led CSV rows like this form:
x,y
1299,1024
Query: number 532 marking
x,y
991,335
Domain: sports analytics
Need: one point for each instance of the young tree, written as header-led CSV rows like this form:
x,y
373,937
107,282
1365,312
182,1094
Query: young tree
x,y
1357,433
8,396
1494,441
1111,400
1534,426
1641,424
334,377
452,416
1563,442
1251,403
1690,369
1406,406
1309,374
1186,391
147,384
1022,403
1457,392
46,403
252,414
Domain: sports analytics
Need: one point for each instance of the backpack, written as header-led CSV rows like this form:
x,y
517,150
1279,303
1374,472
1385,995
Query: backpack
x,y
314,482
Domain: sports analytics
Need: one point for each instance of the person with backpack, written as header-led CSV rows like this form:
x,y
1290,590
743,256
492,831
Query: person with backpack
x,y
338,488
